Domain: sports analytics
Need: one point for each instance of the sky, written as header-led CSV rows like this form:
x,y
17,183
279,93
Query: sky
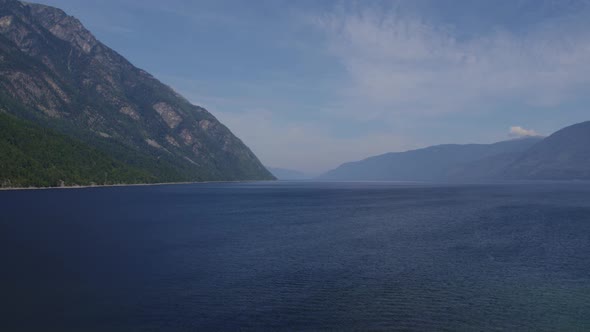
x,y
308,85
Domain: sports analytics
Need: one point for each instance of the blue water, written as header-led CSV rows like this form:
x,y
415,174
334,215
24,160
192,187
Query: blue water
x,y
296,256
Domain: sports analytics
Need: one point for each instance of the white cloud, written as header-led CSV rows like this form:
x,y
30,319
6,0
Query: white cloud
x,y
399,64
518,131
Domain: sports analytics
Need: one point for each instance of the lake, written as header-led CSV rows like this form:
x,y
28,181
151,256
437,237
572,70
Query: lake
x,y
296,256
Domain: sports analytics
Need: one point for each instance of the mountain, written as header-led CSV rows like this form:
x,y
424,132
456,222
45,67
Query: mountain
x,y
565,155
35,156
437,163
288,174
56,74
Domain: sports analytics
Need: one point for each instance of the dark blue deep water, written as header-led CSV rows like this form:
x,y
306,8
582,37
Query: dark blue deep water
x,y
296,256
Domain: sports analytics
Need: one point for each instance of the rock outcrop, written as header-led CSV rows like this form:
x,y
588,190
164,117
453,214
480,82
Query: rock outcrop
x,y
62,77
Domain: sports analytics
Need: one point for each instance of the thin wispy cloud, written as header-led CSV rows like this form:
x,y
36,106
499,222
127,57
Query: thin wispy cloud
x,y
401,63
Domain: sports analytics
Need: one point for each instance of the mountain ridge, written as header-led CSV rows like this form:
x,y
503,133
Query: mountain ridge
x,y
62,77
563,155
435,163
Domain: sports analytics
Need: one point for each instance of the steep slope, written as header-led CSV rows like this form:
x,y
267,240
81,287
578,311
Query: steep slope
x,y
436,163
492,167
565,155
35,156
55,73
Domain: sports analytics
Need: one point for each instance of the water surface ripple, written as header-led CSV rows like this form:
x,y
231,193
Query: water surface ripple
x,y
297,256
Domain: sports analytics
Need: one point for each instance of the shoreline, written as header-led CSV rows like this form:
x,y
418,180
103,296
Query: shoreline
x,y
417,183
127,185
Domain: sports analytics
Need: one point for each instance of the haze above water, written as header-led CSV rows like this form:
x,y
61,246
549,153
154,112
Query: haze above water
x,y
297,256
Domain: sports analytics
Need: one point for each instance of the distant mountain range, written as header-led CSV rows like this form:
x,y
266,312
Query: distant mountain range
x,y
58,80
565,155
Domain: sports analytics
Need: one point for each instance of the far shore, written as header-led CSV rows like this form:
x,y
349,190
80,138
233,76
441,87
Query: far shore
x,y
125,185
418,183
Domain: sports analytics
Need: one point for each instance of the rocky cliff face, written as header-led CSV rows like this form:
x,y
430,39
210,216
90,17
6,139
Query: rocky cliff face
x,y
65,78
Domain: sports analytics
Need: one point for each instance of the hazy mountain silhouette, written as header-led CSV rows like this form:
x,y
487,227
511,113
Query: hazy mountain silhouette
x,y
565,155
436,163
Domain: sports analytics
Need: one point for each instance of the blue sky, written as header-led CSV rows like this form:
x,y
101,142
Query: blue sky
x,y
309,85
